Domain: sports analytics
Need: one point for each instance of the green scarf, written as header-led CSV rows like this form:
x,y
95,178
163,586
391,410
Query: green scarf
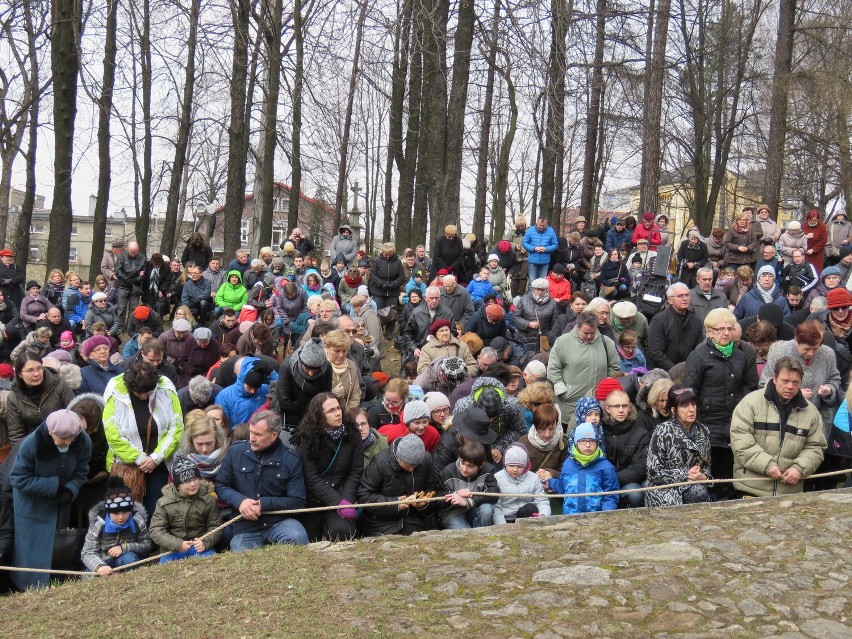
x,y
619,326
726,351
585,460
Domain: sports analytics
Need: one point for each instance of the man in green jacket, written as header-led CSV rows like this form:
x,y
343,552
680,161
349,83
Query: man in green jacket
x,y
777,433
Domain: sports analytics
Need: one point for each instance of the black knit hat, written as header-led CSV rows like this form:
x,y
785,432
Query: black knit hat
x,y
184,470
118,497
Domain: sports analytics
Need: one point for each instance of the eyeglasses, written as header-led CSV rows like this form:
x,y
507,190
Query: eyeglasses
x,y
619,406
442,411
350,331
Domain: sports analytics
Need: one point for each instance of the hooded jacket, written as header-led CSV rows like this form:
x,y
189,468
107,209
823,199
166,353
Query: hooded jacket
x,y
98,543
482,482
178,518
238,404
596,476
346,246
510,424
232,295
750,303
296,389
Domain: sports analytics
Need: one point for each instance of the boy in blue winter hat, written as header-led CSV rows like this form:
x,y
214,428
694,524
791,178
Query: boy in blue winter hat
x,y
587,470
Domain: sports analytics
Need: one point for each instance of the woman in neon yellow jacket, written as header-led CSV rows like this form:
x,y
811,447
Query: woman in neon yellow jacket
x,y
143,425
232,293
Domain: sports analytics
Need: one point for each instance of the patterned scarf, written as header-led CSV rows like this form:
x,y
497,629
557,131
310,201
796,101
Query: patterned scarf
x,y
336,433
539,443
369,439
208,465
840,328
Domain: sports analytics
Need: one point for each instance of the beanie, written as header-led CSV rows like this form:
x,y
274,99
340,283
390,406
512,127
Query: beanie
x,y
434,400
845,251
495,312
64,423
516,455
255,378
184,470
66,336
540,283
410,450
92,343
585,431
605,387
771,313
453,368
437,325
648,217
312,354
504,246
418,409
142,312
63,357
202,333
490,401
415,392
830,270
493,257
559,269
7,372
118,497
838,298
766,270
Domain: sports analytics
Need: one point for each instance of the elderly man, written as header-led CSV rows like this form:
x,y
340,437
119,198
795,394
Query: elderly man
x,y
625,317
540,241
11,277
198,394
458,301
422,259
704,298
535,315
416,331
261,475
578,361
199,353
674,332
109,258
129,278
777,433
196,295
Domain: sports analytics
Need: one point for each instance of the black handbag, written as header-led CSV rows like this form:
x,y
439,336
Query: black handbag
x,y
67,547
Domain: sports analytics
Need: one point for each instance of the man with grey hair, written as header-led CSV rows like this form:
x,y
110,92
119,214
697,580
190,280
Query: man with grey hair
x,y
675,331
416,331
423,260
457,300
261,475
198,394
704,298
129,278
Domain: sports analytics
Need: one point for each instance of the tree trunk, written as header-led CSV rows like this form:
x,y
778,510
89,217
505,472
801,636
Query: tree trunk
x,y
587,194
646,84
501,171
485,132
104,158
411,162
235,191
66,27
778,111
170,221
342,172
651,125
296,135
143,220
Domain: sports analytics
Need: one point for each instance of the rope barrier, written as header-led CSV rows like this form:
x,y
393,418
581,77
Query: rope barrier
x,y
413,500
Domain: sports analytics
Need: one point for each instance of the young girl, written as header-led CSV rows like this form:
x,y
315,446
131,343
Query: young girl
x,y
217,414
185,514
66,341
516,477
630,355
118,534
587,470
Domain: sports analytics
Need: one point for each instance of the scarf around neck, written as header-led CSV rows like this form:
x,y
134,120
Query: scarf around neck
x,y
353,282
585,460
208,465
112,528
538,443
336,434
726,351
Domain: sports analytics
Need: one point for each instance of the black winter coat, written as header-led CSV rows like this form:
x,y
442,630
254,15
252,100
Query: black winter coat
x,y
720,384
295,390
335,473
627,447
385,480
386,277
688,253
201,257
446,255
415,332
672,337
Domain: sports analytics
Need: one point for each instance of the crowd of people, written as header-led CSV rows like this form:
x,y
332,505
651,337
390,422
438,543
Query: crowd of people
x,y
169,396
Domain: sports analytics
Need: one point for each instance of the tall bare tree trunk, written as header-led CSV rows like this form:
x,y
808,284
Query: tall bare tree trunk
x,y
646,83
778,110
170,222
143,220
235,190
104,158
587,193
296,135
501,171
651,125
66,27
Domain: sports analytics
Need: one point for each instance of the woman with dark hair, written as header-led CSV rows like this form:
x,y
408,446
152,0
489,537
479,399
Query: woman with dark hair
x,y
157,281
143,424
691,256
679,452
614,277
36,392
197,252
333,462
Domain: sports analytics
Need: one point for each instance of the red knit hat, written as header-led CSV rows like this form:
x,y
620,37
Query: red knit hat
x,y
605,387
504,246
438,324
839,298
648,217
142,312
494,312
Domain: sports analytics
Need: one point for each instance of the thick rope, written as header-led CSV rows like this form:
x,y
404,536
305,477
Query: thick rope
x,y
413,500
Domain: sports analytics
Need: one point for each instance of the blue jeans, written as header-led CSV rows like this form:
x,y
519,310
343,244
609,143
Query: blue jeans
x,y
633,500
482,515
537,271
287,531
192,552
122,560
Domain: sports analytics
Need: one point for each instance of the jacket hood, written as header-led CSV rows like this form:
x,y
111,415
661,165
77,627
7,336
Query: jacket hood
x,y
484,382
344,227
93,396
248,365
234,272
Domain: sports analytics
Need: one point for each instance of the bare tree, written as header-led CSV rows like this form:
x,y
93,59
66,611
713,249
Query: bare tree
x,y
596,90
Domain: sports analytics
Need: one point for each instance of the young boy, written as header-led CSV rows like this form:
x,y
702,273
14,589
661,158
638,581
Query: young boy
x,y
587,470
470,473
630,356
184,514
516,477
480,286
117,533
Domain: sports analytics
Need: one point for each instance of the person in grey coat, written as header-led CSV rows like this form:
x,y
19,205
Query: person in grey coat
x,y
535,313
343,244
130,276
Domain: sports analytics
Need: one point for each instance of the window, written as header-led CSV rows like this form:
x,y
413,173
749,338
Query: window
x,y
33,254
244,231
72,256
73,229
37,229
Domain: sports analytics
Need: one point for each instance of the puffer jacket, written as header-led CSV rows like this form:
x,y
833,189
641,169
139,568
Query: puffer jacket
x,y
626,446
385,480
230,295
614,239
239,405
387,276
335,473
23,416
507,508
346,246
789,242
32,307
720,383
108,315
288,309
759,441
534,238
596,476
478,289
750,303
497,277
178,518
529,310
98,543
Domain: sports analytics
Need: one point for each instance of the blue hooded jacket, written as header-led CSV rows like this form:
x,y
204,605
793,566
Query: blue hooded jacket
x,y
596,476
236,402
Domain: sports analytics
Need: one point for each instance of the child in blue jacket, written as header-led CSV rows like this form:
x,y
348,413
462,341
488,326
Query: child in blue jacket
x,y
587,470
480,286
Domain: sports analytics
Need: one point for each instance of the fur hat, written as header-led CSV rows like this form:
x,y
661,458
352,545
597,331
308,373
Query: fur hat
x,y
70,374
410,450
451,229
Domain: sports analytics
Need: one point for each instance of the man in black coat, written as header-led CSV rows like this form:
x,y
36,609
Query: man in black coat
x,y
11,277
414,333
130,278
675,332
626,438
448,251
56,323
302,376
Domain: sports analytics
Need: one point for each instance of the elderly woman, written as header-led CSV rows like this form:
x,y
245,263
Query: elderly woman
x,y
763,292
534,315
721,376
344,372
691,255
601,308
679,452
143,424
50,467
36,392
199,352
443,344
791,239
821,383
799,272
96,375
655,402
741,242
386,277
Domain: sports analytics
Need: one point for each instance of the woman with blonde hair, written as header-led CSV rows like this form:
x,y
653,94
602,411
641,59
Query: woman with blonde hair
x,y
535,395
344,372
657,408
203,442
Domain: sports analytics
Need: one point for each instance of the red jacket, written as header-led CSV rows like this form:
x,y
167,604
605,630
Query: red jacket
x,y
559,289
652,235
430,437
816,243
